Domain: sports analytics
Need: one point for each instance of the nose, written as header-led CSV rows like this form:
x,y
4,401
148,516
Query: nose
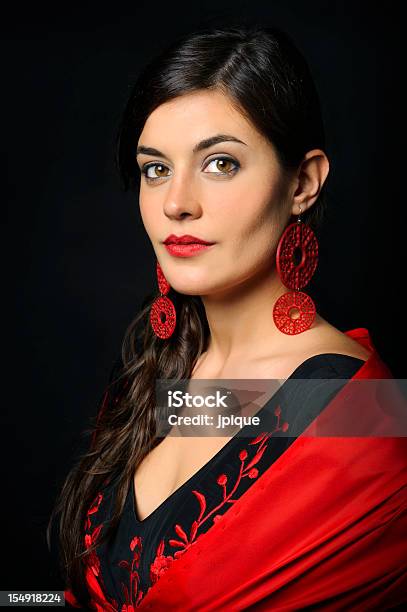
x,y
181,199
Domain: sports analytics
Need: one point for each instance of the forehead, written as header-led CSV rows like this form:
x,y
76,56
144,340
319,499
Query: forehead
x,y
197,115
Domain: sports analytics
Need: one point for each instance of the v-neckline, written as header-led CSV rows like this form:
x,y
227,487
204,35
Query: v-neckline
x,y
228,444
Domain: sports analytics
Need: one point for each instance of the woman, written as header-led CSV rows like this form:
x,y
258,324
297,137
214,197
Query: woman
x,y
224,132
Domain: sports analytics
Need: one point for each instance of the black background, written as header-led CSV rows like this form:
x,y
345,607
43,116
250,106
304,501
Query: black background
x,y
76,256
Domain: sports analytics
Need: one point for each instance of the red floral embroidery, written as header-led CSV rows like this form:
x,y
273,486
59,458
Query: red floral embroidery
x,y
93,559
245,471
100,601
94,507
93,576
133,596
162,562
132,593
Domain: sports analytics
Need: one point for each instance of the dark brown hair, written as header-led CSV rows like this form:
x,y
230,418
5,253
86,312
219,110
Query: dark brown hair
x,y
267,77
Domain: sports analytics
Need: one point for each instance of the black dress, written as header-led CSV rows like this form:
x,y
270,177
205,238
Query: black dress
x,y
142,550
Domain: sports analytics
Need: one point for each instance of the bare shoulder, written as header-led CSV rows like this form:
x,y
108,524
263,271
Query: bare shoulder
x,y
329,339
321,338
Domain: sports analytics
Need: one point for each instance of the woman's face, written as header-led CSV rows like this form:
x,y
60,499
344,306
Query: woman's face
x,y
230,193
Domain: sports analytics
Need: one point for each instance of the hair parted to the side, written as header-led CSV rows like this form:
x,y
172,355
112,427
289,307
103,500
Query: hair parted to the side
x,y
264,74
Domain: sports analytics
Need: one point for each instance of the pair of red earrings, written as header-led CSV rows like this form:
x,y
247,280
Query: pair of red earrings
x,y
296,261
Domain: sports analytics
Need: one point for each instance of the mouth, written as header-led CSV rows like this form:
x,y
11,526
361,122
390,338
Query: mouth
x,y
186,245
188,249
186,239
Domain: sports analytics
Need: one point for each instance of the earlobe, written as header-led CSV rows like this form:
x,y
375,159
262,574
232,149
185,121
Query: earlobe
x,y
312,174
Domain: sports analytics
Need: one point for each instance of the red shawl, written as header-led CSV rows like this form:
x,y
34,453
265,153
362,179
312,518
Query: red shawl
x,y
324,527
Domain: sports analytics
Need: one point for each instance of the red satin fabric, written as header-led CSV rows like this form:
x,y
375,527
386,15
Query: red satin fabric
x,y
324,527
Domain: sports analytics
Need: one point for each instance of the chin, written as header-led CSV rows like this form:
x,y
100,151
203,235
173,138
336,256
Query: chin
x,y
190,290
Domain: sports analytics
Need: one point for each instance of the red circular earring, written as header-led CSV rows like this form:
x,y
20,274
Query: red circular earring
x,y
162,314
296,261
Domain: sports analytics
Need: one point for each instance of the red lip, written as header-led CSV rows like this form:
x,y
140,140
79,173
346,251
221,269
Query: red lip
x,y
187,250
185,239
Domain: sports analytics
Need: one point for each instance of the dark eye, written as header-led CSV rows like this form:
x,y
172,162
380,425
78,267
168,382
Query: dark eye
x,y
223,165
159,170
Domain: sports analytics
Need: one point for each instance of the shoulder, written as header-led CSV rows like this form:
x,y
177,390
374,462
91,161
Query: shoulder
x,y
329,365
325,338
322,350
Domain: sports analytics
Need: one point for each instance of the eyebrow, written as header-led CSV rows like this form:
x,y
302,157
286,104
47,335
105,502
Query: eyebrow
x,y
200,146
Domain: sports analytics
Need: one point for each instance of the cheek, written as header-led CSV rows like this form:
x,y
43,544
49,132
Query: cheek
x,y
254,236
257,201
148,214
257,222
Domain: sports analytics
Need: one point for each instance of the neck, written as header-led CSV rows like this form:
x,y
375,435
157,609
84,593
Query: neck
x,y
241,319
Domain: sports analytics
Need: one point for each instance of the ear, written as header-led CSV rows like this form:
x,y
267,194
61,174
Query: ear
x,y
310,177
